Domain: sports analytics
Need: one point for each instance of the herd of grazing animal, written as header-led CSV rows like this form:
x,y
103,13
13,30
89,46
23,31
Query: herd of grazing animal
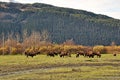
x,y
64,53
86,52
89,54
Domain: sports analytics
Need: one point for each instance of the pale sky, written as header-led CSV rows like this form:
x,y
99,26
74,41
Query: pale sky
x,y
106,7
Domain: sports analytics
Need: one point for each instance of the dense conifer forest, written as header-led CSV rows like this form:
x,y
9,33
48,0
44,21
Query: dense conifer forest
x,y
60,24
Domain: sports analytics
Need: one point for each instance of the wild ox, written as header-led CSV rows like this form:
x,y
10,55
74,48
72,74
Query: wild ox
x,y
32,54
62,54
98,54
80,53
51,54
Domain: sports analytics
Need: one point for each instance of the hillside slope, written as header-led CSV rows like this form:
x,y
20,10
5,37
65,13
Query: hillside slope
x,y
83,27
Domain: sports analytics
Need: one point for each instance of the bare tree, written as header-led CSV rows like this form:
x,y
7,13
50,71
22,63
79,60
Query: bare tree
x,y
10,42
17,37
113,44
45,35
24,34
69,42
3,42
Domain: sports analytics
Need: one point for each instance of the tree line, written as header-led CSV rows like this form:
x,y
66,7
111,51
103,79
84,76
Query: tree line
x,y
40,42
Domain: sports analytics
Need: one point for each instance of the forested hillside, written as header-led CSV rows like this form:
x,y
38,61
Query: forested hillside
x,y
85,28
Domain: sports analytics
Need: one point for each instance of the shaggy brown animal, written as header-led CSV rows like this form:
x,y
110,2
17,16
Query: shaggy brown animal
x,y
50,54
114,54
62,54
90,54
79,53
32,54
97,54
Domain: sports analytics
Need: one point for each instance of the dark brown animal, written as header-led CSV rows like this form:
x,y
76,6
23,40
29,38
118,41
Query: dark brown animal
x,y
79,53
97,54
114,54
56,53
62,54
51,54
32,54
89,54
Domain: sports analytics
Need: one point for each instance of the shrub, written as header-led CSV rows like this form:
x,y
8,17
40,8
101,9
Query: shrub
x,y
4,50
99,48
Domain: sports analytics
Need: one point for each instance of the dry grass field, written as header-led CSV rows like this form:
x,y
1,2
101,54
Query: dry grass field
x,y
42,67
